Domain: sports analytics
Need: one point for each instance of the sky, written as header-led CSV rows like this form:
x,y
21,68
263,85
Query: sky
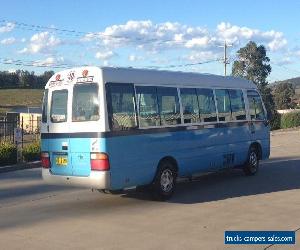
x,y
166,35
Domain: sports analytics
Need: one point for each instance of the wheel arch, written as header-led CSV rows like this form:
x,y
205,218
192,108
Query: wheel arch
x,y
167,158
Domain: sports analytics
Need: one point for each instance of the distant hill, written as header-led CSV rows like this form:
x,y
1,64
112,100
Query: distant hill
x,y
295,81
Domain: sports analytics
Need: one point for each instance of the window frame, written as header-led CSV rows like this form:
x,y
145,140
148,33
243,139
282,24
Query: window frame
x,y
181,106
248,104
215,104
244,101
178,88
67,103
109,104
226,89
138,107
72,102
159,103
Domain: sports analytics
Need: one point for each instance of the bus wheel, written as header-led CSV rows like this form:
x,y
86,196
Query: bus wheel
x,y
164,182
252,164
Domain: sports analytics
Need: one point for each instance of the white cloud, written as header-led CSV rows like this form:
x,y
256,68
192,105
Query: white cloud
x,y
199,42
7,27
146,35
8,41
160,37
274,40
284,61
134,58
49,61
297,53
202,56
42,42
105,55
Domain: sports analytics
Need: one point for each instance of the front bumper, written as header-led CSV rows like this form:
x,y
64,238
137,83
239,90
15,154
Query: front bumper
x,y
96,180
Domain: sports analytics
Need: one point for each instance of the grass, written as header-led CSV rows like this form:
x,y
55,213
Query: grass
x,y
10,98
20,97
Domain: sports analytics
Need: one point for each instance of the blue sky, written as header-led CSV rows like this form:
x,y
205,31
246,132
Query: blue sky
x,y
159,34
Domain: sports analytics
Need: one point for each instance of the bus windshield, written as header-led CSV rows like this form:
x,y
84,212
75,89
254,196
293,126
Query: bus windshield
x,y
85,103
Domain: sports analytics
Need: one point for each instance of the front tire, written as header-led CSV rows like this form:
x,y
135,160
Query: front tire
x,y
252,164
165,181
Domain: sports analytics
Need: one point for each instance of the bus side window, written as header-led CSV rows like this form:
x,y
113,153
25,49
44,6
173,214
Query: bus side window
x,y
121,106
147,106
256,109
190,105
168,103
223,102
237,104
207,105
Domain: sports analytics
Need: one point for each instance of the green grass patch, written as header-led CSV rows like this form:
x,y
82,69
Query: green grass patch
x,y
21,97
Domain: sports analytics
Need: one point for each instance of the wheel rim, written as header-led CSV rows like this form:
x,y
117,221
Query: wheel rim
x,y
166,180
253,160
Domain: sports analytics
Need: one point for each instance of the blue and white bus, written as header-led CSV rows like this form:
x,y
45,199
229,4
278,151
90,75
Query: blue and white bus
x,y
115,128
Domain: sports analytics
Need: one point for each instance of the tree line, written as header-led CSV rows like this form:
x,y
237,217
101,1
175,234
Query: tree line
x,y
24,79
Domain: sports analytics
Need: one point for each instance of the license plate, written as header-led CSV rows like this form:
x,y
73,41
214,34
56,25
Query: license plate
x,y
61,161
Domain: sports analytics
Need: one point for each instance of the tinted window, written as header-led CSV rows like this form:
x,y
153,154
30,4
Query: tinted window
x,y
207,105
148,106
223,102
168,104
238,111
190,106
121,106
59,105
45,106
256,109
85,103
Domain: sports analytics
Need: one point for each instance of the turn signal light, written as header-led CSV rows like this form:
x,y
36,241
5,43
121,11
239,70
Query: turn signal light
x,y
99,162
45,160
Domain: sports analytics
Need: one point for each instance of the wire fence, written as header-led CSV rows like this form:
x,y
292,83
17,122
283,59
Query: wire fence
x,y
21,130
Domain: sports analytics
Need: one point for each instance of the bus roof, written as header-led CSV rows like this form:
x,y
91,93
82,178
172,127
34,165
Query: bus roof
x,y
156,77
163,77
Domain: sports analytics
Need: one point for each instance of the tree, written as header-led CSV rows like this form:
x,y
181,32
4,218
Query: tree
x,y
253,64
283,94
43,79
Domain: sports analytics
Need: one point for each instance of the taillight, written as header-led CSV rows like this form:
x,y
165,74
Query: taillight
x,y
99,162
45,160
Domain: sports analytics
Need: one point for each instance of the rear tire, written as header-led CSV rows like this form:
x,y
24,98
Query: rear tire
x,y
165,181
252,164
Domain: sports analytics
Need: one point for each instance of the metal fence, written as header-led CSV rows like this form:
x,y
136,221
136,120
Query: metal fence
x,y
29,129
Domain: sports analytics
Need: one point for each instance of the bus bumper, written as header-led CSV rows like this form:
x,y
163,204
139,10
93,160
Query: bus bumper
x,y
96,180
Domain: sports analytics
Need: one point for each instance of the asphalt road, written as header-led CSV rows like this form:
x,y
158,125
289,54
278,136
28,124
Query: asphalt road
x,y
36,216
